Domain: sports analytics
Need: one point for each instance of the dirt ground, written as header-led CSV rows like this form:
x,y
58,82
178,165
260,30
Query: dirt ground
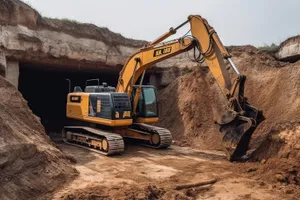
x,y
143,173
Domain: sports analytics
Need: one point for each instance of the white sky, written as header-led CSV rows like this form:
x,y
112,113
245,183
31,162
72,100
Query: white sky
x,y
237,22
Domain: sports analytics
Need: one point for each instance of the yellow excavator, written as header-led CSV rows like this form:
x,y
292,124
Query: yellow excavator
x,y
104,115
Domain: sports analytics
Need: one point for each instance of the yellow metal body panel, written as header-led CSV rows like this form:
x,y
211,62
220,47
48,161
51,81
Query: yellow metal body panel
x,y
131,133
146,120
216,51
79,110
148,57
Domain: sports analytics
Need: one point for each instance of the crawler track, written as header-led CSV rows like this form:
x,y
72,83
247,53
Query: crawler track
x,y
165,136
96,140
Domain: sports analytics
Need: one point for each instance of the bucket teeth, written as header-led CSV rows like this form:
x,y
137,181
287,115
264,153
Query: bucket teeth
x,y
237,130
236,137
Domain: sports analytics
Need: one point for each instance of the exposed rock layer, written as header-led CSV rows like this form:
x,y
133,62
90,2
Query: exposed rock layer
x,y
289,50
26,36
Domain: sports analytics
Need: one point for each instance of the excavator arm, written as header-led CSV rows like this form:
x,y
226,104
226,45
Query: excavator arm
x,y
203,37
241,119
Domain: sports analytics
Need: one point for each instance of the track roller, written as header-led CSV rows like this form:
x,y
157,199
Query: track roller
x,y
158,137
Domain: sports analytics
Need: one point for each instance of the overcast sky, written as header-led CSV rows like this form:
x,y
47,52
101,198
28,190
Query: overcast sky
x,y
255,22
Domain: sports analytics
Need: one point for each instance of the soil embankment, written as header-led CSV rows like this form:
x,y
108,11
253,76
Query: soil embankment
x,y
271,85
30,164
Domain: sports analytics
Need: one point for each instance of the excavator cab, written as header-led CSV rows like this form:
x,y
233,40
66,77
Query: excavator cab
x,y
147,107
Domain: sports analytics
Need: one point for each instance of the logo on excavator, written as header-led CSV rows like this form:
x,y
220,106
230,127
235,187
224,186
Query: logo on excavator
x,y
126,114
75,99
159,52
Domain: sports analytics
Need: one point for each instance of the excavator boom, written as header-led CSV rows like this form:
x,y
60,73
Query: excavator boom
x,y
241,119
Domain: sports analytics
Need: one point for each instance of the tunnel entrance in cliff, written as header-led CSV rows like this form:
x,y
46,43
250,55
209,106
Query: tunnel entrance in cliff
x,y
45,88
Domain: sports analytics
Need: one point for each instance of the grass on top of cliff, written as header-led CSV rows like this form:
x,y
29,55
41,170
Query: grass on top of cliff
x,y
273,48
30,5
66,20
70,20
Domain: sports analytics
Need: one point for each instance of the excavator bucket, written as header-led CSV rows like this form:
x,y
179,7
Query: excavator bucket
x,y
237,130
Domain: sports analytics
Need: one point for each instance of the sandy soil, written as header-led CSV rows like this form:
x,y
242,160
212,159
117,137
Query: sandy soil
x,y
30,164
143,173
194,99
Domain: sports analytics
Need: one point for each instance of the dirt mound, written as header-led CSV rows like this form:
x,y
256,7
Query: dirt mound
x,y
282,141
188,106
279,153
30,165
271,85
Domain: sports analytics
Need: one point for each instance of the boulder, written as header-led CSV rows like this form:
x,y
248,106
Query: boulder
x,y
289,50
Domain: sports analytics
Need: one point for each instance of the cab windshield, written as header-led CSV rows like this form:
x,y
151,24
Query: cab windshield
x,y
150,102
147,106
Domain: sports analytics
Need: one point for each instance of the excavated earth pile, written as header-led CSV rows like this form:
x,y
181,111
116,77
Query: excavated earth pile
x,y
274,87
191,100
271,85
30,164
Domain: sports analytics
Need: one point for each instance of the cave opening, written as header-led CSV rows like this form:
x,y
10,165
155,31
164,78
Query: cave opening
x,y
45,88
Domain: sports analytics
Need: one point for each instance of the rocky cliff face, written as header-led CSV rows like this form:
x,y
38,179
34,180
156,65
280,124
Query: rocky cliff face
x,y
26,36
15,12
58,48
289,50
